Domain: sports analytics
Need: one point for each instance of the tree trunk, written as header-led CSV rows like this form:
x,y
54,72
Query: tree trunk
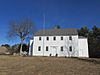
x,y
21,46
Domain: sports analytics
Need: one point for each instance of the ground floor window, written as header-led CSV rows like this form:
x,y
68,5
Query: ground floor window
x,y
70,48
46,48
39,48
61,48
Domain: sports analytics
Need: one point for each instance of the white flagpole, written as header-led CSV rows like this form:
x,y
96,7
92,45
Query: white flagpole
x,y
43,23
43,32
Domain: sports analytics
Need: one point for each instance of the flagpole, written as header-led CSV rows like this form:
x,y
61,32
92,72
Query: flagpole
x,y
43,31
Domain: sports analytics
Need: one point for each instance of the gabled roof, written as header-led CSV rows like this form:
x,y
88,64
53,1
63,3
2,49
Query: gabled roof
x,y
57,32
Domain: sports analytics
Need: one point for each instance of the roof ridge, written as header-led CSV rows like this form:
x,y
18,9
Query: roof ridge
x,y
52,32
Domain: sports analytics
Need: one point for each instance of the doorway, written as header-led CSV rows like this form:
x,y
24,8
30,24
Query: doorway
x,y
54,51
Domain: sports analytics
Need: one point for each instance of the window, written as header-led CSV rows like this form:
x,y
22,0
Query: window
x,y
61,38
62,48
39,48
46,48
56,55
39,38
70,48
47,38
70,37
54,38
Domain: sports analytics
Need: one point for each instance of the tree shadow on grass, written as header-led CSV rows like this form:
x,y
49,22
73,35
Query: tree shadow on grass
x,y
93,60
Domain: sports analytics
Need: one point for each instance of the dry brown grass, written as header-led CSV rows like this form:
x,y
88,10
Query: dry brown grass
x,y
16,65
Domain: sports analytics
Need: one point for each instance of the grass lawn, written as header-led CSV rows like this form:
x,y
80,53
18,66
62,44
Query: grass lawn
x,y
17,65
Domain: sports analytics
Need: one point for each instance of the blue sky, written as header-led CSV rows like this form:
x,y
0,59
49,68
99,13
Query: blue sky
x,y
67,13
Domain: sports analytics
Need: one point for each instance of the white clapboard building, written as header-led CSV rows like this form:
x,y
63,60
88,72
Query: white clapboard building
x,y
59,42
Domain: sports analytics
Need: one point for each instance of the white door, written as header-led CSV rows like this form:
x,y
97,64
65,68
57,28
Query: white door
x,y
53,50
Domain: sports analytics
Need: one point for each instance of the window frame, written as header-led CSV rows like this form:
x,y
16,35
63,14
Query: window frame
x,y
47,38
61,48
39,38
70,49
70,37
61,37
39,48
47,48
54,38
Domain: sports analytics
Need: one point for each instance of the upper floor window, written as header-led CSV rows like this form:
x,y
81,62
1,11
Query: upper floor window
x,y
70,37
61,48
47,38
46,48
39,48
70,48
39,38
54,38
61,38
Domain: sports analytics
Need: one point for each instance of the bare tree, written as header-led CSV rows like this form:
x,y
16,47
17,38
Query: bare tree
x,y
68,44
21,29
